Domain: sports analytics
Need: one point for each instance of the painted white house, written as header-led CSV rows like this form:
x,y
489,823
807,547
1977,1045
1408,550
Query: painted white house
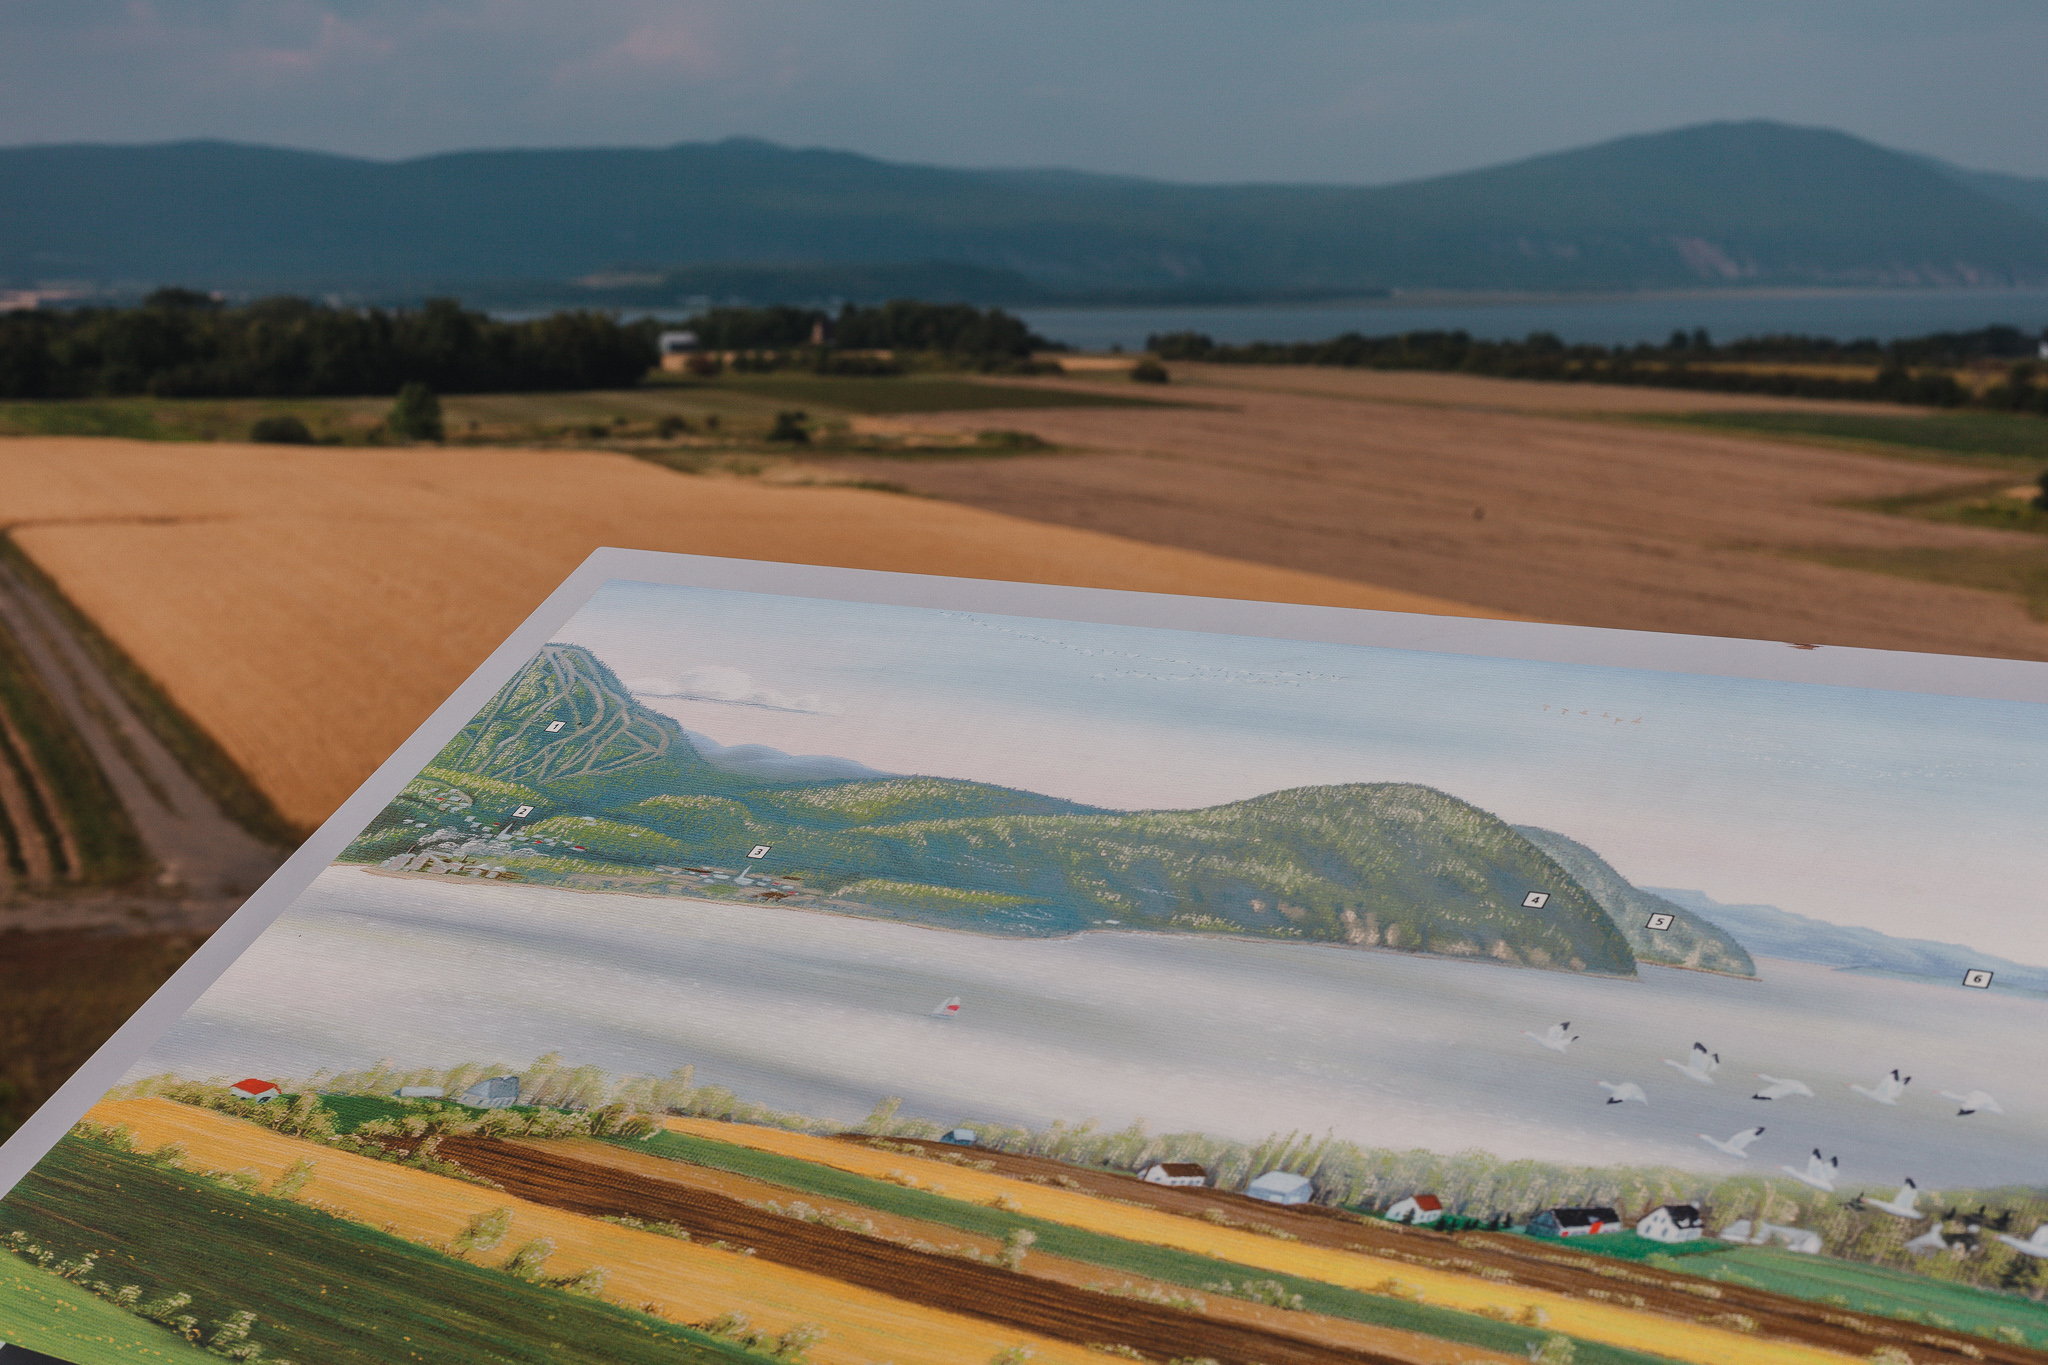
x,y
418,1092
1416,1208
1762,1234
1671,1223
1281,1187
1174,1173
252,1089
961,1137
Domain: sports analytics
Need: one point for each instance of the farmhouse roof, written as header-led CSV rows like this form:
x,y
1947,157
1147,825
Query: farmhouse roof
x,y
1579,1218
1685,1215
1428,1203
1180,1168
253,1085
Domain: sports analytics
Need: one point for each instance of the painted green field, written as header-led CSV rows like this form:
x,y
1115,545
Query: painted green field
x,y
1859,1288
918,393
42,1312
1112,1253
323,1291
1991,439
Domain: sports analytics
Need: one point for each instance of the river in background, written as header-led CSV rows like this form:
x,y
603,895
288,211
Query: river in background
x,y
827,1014
1608,321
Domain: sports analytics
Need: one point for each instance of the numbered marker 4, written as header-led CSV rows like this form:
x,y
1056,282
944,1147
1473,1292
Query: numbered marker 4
x,y
1535,900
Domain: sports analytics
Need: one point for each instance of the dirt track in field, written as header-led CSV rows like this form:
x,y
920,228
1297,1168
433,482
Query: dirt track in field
x,y
1559,1269
954,1284
1491,492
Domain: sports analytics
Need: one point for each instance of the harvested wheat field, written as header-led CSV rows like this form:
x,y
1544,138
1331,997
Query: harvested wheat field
x,y
690,1283
310,607
1491,491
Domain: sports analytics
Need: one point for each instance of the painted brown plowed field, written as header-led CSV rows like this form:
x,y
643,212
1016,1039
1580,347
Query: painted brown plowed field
x,y
1534,1265
950,1283
1490,491
1422,1350
310,607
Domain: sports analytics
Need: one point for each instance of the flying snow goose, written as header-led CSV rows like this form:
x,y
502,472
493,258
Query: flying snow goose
x,y
1700,1066
1735,1146
1628,1092
1820,1171
1904,1204
1971,1102
1889,1088
1778,1087
2037,1245
1557,1037
1928,1241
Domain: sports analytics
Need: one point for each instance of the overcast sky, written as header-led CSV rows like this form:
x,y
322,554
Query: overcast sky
x,y
1188,90
1916,815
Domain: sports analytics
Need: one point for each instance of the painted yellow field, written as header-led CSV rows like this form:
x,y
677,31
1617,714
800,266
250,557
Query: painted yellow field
x,y
1594,1321
310,607
690,1283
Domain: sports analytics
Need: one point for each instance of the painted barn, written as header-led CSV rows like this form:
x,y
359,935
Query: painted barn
x,y
1281,1187
1575,1222
1174,1173
1416,1208
499,1092
253,1089
1671,1223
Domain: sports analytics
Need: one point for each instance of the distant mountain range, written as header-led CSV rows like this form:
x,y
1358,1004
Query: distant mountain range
x,y
1720,204
1770,932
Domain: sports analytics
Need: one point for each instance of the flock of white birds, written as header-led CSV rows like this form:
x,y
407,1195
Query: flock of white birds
x,y
1820,1172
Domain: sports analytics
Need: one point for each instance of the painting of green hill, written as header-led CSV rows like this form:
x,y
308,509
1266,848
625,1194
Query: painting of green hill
x,y
1688,941
611,786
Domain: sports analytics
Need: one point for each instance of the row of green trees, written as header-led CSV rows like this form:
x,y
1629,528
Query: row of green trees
x,y
957,330
1911,370
179,344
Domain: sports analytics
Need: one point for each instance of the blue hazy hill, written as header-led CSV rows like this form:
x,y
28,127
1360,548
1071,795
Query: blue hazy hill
x,y
1754,203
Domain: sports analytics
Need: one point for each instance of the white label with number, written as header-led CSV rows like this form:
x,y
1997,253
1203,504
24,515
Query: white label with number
x,y
1535,900
553,726
522,812
758,851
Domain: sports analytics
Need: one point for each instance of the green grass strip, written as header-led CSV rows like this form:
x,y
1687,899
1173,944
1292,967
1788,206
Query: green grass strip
x,y
324,1291
1165,1264
1983,438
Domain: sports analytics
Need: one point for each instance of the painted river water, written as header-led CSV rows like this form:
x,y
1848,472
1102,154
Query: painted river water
x,y
826,1015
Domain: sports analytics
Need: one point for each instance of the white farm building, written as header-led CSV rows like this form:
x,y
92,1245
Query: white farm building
x,y
1671,1223
1281,1187
1174,1173
1416,1208
499,1092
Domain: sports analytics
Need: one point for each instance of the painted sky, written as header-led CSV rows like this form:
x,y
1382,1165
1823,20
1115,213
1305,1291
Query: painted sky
x,y
1915,815
1199,90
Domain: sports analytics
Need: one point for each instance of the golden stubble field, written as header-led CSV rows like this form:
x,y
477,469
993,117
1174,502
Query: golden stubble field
x,y
310,607
1538,500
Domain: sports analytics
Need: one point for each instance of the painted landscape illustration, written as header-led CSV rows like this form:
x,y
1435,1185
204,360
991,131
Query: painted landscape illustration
x,y
766,978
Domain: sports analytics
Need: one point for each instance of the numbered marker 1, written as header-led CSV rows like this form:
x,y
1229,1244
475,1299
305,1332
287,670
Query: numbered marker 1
x,y
1659,922
758,851
1977,978
553,726
522,812
1535,900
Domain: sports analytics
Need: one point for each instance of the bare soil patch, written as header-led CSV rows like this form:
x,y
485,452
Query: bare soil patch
x,y
1457,486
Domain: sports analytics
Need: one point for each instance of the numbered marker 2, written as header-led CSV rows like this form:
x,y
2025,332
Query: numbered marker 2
x,y
554,726
758,851
1659,922
522,812
1535,900
1977,978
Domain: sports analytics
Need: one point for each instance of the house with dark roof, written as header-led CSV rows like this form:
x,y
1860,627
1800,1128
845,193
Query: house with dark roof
x,y
1563,1222
1174,1173
1671,1223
